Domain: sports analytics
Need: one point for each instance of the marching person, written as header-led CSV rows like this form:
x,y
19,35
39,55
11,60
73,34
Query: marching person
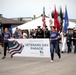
x,y
74,40
54,43
69,40
63,40
6,42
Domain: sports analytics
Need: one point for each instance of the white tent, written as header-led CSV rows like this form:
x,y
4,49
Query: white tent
x,y
72,25
33,24
38,22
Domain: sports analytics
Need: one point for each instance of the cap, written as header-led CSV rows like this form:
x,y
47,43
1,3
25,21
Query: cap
x,y
38,26
74,28
45,26
52,26
69,28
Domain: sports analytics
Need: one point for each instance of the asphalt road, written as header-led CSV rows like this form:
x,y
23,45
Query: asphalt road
x,y
38,66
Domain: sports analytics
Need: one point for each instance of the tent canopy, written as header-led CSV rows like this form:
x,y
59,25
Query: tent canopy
x,y
33,24
38,22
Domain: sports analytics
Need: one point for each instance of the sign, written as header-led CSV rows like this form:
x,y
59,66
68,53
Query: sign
x,y
34,47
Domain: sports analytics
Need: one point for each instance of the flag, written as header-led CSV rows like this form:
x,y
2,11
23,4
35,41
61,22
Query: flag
x,y
15,47
56,21
50,19
66,22
43,18
61,19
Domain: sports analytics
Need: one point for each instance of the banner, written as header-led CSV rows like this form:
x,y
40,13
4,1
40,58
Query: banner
x,y
34,47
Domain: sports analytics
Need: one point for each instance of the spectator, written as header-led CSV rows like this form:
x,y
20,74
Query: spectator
x,y
33,33
16,34
24,35
20,33
69,40
74,40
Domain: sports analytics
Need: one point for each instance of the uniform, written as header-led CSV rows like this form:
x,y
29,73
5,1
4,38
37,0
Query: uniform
x,y
46,34
39,33
69,41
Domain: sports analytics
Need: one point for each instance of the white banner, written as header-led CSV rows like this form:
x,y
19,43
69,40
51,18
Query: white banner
x,y
34,47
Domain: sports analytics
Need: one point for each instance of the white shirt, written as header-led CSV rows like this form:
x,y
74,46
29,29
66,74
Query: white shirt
x,y
24,35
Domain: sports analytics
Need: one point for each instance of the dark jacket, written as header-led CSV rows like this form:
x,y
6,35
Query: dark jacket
x,y
39,33
74,36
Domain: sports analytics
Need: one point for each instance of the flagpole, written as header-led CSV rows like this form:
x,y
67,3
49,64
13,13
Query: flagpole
x,y
43,19
50,18
66,20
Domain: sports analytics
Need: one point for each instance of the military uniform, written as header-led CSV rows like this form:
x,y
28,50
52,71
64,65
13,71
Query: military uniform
x,y
39,33
74,40
69,41
46,34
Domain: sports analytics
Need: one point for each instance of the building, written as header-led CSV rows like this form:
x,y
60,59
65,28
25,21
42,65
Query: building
x,y
6,22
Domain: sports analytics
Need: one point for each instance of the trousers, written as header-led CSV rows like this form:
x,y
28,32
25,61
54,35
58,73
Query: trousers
x,y
5,48
54,46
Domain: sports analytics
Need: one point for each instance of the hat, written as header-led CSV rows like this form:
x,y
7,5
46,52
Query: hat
x,y
69,28
75,28
38,26
52,26
45,26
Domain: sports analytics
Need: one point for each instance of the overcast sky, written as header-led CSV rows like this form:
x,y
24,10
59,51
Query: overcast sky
x,y
26,8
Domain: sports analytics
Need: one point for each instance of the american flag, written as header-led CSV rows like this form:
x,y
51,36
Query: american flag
x,y
43,18
15,47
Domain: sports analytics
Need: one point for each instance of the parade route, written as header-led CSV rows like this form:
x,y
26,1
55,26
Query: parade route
x,y
38,66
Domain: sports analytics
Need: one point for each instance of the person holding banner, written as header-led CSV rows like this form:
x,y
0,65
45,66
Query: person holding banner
x,y
54,43
6,42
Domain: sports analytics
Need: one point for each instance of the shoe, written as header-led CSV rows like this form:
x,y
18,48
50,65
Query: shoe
x,y
51,61
3,57
11,56
0,52
62,52
59,57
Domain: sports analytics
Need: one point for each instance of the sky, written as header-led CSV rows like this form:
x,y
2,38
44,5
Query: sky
x,y
28,8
